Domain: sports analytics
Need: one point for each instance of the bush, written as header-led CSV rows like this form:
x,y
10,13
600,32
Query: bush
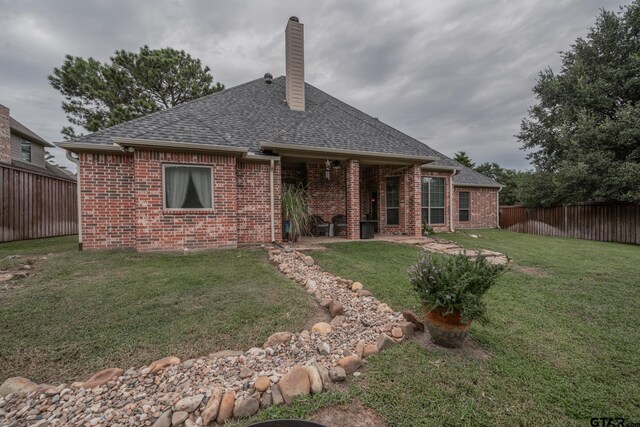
x,y
295,210
456,283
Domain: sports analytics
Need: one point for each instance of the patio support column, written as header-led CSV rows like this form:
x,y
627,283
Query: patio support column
x,y
353,199
414,208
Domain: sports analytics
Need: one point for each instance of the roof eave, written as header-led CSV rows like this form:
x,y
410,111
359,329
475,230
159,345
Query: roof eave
x,y
176,146
460,184
78,147
314,152
440,168
30,138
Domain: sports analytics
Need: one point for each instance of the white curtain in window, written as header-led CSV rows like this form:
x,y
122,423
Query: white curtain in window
x,y
202,182
177,182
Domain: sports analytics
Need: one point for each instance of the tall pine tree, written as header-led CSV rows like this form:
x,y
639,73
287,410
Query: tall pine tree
x,y
99,95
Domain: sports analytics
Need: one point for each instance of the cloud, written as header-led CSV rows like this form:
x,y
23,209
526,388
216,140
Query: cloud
x,y
456,75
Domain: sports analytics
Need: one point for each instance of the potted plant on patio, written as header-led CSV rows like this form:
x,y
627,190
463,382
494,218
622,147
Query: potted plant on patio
x,y
451,290
295,211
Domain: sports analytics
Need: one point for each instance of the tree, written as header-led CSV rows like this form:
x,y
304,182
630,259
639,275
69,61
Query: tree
x,y
509,178
463,158
99,95
584,131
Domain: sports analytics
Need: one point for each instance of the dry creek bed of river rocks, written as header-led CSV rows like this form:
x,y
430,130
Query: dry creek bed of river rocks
x,y
230,384
227,384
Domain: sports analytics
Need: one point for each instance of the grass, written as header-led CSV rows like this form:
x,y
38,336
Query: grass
x,y
563,336
80,312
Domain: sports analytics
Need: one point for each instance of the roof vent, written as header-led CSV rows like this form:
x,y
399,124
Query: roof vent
x,y
268,78
294,19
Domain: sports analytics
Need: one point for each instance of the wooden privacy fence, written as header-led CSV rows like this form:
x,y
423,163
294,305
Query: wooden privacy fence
x,y
35,206
619,222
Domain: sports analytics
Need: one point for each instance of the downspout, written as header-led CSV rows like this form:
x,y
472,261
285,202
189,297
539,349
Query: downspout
x,y
451,202
76,160
273,223
498,207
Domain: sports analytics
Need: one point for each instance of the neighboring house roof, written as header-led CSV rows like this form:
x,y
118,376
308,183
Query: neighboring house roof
x,y
49,169
255,112
25,132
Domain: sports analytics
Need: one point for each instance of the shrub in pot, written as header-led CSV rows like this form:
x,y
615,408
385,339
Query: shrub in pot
x,y
451,290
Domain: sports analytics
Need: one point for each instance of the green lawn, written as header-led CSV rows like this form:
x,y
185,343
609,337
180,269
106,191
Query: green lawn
x,y
563,336
80,312
563,333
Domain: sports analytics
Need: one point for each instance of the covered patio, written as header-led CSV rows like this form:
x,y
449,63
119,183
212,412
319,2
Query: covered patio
x,y
358,198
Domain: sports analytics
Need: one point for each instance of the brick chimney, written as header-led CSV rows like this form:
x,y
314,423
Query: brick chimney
x,y
294,67
5,135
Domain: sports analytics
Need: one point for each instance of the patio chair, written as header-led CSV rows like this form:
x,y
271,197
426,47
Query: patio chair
x,y
318,226
339,224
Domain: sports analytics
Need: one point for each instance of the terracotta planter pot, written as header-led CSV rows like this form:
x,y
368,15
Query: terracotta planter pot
x,y
447,331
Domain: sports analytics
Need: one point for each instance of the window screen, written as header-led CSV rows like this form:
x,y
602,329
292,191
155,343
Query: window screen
x,y
464,206
433,200
393,201
25,149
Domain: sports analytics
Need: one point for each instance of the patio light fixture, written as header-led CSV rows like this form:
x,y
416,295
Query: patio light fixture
x,y
328,165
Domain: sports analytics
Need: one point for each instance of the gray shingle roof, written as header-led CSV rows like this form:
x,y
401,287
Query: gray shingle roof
x,y
255,112
22,130
465,175
469,176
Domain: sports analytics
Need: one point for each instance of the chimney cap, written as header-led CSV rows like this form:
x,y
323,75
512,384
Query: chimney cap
x,y
268,78
294,19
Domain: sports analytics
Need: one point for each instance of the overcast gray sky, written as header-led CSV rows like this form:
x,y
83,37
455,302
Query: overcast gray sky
x,y
454,74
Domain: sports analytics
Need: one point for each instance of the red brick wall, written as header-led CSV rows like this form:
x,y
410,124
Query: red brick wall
x,y
414,201
158,229
327,197
483,207
353,199
254,203
122,203
107,199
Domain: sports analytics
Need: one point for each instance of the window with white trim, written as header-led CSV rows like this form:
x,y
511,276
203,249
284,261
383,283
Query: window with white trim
x,y
464,206
188,187
432,200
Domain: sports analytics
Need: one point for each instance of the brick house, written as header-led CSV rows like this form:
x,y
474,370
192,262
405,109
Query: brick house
x,y
209,173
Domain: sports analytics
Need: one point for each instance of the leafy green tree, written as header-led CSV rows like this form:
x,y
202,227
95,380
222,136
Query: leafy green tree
x,y
510,178
584,131
463,158
99,95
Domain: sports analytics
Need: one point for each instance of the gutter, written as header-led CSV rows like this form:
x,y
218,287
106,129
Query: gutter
x,y
429,167
346,153
498,207
77,147
451,200
459,184
179,146
76,160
